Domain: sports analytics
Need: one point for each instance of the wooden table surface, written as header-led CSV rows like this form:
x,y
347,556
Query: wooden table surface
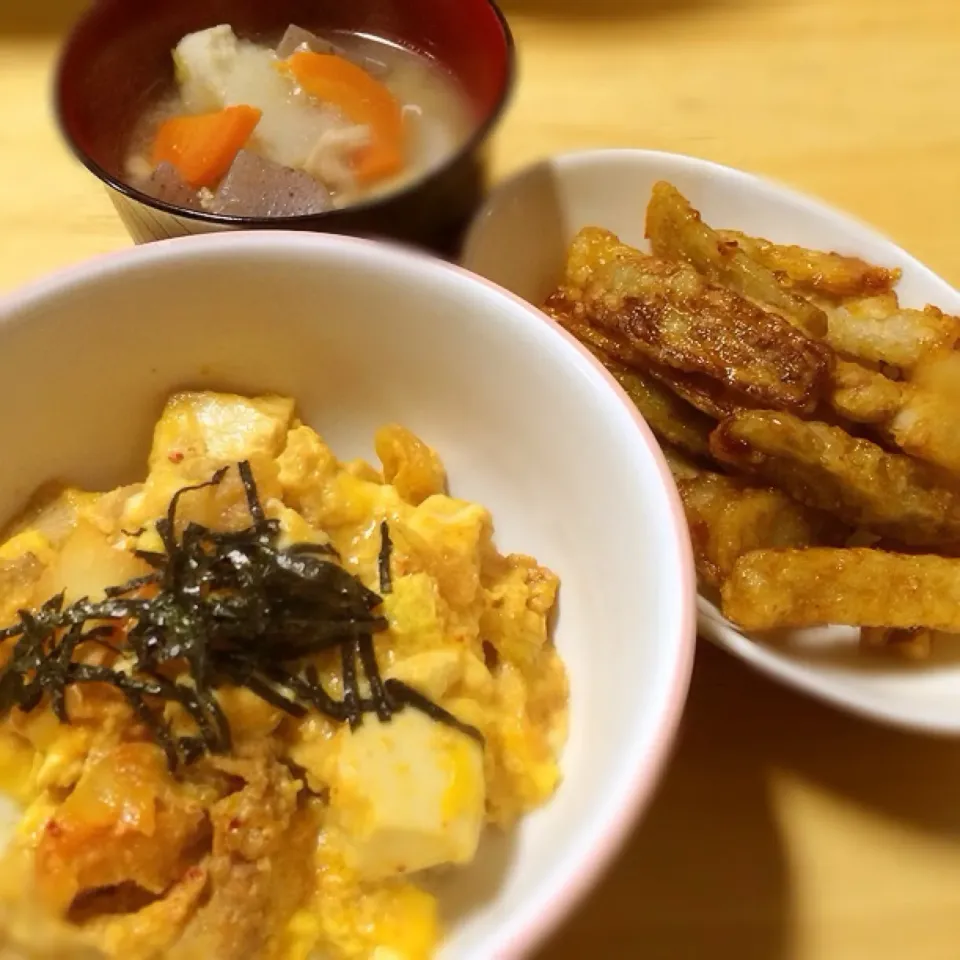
x,y
783,830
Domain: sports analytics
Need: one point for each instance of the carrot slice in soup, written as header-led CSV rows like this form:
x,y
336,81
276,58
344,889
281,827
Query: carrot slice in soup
x,y
202,147
363,100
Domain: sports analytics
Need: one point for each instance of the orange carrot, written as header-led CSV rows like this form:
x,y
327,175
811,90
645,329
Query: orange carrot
x,y
362,99
202,147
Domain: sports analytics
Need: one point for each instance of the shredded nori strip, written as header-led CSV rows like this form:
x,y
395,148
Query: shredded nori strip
x,y
232,608
402,695
351,686
383,561
378,693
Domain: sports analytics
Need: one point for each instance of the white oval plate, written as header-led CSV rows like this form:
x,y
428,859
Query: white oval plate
x,y
518,240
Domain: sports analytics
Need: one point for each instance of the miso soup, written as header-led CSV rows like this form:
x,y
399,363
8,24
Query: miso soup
x,y
296,127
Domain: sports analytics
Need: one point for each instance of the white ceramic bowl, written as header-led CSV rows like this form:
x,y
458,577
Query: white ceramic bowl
x,y
526,421
518,240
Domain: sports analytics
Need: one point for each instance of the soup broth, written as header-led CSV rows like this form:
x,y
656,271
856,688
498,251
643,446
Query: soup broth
x,y
296,126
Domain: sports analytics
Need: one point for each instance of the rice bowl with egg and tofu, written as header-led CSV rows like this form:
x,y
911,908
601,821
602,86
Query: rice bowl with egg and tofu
x,y
247,701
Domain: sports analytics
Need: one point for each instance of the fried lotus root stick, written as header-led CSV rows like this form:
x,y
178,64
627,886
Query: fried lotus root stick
x,y
927,422
877,330
873,328
677,232
728,518
921,417
672,419
863,395
703,394
772,589
666,315
853,479
815,271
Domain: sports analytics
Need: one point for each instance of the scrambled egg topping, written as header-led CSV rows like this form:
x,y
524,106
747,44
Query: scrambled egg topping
x,y
304,843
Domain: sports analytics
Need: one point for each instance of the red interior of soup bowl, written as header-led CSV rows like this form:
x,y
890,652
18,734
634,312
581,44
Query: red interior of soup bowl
x,y
119,55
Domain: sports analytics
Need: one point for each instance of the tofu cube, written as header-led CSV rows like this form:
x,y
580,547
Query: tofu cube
x,y
224,427
408,794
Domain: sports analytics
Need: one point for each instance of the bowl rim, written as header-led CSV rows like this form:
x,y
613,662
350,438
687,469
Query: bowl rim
x,y
120,186
640,786
596,156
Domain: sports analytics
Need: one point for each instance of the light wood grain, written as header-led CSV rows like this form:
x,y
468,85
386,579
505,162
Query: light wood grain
x,y
783,831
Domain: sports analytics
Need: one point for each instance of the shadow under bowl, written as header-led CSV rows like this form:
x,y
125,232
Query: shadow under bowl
x,y
117,60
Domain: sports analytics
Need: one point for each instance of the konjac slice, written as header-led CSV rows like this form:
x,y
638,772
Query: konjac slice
x,y
165,183
257,187
296,39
